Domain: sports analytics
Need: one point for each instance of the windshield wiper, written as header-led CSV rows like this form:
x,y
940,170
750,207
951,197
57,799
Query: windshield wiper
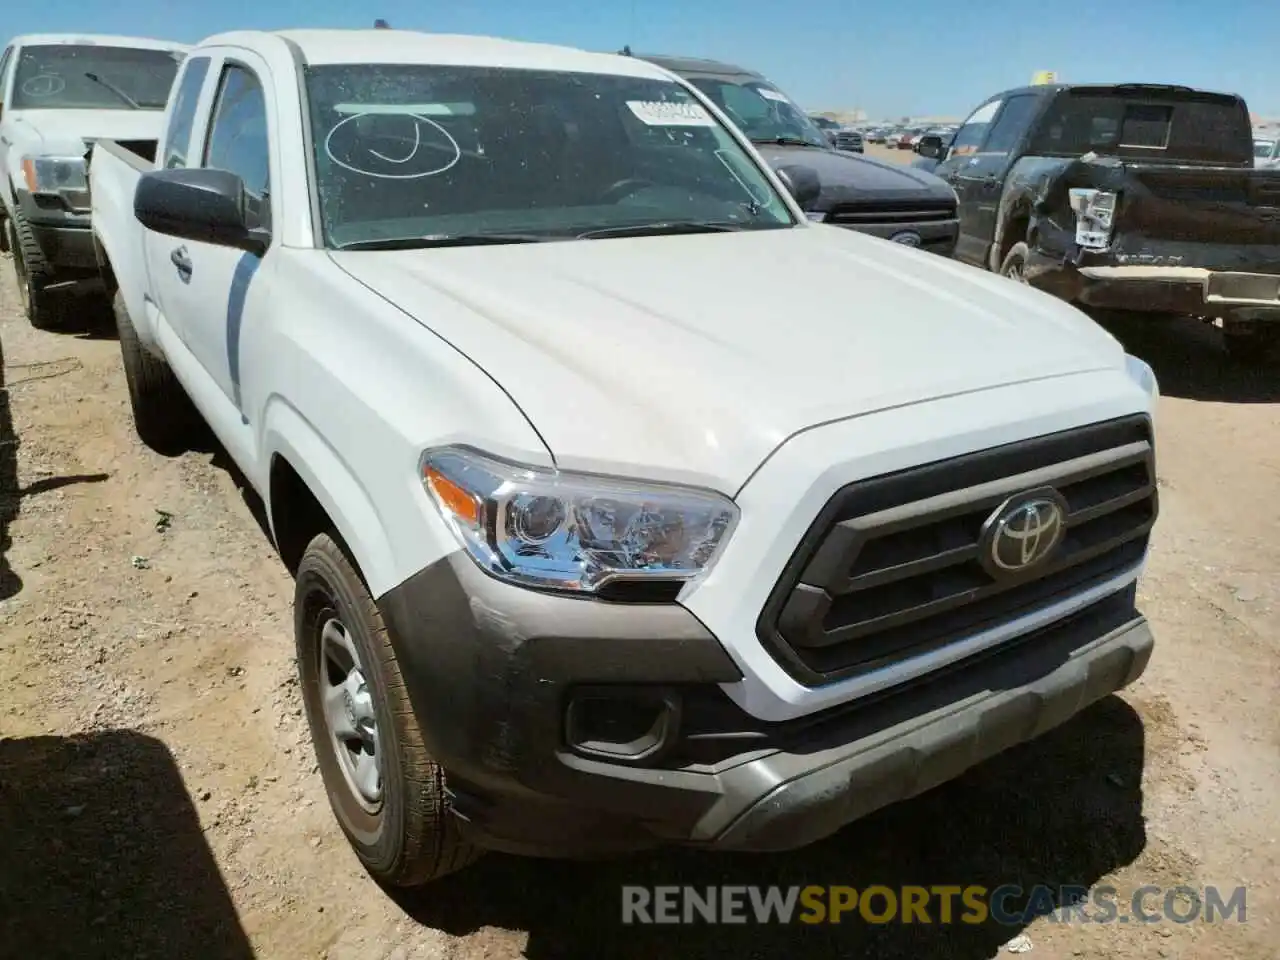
x,y
787,141
133,104
661,227
444,240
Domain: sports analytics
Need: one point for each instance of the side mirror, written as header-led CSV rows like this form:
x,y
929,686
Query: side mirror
x,y
931,146
802,183
198,204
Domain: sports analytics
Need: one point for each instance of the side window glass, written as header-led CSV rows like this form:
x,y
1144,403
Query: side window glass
x,y
974,130
1011,124
237,139
178,137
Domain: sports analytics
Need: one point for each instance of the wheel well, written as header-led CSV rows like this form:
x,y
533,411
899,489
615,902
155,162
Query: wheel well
x,y
296,515
104,267
1015,230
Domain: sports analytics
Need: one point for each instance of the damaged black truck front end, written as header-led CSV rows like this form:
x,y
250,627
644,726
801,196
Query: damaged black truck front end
x,y
1134,198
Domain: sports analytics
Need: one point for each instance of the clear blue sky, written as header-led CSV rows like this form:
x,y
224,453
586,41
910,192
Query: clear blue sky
x,y
891,57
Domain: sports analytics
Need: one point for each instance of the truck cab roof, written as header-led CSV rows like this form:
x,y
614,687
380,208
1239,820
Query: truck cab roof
x,y
327,46
95,39
1149,89
699,66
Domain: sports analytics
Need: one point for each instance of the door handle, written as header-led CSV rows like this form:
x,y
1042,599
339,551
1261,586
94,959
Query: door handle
x,y
180,260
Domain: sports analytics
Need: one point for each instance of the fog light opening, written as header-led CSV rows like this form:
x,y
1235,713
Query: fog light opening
x,y
622,725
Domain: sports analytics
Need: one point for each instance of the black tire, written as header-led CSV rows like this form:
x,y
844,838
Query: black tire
x,y
33,274
4,231
1015,263
408,835
163,415
1253,345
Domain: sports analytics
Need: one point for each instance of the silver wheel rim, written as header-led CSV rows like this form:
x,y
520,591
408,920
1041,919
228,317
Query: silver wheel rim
x,y
349,715
1014,272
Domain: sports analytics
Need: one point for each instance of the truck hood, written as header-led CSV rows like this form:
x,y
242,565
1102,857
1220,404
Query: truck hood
x,y
847,177
51,132
691,358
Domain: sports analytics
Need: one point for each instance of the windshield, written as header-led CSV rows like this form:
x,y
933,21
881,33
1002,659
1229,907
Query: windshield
x,y
1262,149
762,112
84,77
469,152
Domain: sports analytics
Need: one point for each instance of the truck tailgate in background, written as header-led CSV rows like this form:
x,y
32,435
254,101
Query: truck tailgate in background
x,y
1181,162
1200,204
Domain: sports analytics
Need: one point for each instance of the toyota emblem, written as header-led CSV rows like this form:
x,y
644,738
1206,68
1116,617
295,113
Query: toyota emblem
x,y
1023,532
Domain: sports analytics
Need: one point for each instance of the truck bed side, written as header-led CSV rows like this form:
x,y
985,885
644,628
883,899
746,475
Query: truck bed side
x,y
114,171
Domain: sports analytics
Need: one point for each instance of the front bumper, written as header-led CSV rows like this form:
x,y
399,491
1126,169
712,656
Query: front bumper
x,y
518,692
63,232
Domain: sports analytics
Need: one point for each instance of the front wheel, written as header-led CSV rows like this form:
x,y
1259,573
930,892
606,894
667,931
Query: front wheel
x,y
385,790
33,274
1015,263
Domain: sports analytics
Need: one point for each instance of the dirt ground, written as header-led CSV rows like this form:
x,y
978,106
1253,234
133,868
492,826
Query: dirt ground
x,y
159,799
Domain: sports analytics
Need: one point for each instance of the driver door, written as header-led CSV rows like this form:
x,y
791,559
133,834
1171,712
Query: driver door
x,y
962,169
207,291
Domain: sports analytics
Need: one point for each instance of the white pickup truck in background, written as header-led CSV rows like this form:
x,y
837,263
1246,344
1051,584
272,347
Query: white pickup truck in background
x,y
58,94
608,530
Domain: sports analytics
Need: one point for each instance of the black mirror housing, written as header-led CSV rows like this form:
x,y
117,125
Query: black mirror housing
x,y
801,182
931,146
198,204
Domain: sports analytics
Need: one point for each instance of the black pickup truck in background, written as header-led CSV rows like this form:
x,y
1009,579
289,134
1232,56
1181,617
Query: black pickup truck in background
x,y
885,200
1135,197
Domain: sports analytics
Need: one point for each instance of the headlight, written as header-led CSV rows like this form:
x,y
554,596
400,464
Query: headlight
x,y
1095,210
817,216
51,174
563,531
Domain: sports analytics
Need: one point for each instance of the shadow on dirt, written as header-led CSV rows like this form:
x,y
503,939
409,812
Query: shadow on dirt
x,y
103,855
1062,811
81,309
1190,363
89,315
10,494
10,582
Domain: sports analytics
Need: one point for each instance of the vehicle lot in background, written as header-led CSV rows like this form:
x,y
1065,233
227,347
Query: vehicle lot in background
x,y
142,592
1130,197
1266,149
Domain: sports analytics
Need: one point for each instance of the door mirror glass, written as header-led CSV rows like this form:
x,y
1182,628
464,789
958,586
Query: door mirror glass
x,y
931,146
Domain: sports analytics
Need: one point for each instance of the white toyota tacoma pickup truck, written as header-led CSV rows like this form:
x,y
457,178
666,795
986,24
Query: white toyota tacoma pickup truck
x,y
608,529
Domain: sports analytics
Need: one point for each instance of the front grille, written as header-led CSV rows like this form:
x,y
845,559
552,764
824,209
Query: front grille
x,y
848,141
890,569
870,212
